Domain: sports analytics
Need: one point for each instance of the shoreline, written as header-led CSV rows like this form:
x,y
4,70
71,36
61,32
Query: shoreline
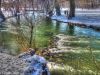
x,y
79,21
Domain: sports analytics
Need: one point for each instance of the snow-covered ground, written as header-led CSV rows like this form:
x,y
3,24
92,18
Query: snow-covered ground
x,y
11,65
15,65
89,17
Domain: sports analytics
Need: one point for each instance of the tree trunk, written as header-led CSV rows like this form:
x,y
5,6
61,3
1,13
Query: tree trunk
x,y
17,14
48,9
1,14
72,9
57,7
0,5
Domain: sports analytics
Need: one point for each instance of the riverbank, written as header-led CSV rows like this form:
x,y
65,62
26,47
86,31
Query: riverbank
x,y
83,17
88,21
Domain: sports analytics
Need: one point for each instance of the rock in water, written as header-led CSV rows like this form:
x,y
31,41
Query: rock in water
x,y
37,65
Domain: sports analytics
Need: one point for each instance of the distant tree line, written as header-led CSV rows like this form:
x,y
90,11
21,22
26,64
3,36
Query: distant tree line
x,y
47,5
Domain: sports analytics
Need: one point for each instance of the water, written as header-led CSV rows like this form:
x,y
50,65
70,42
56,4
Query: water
x,y
15,39
85,42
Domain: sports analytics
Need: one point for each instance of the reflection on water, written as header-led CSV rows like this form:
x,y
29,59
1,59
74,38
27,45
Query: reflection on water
x,y
18,42
70,29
